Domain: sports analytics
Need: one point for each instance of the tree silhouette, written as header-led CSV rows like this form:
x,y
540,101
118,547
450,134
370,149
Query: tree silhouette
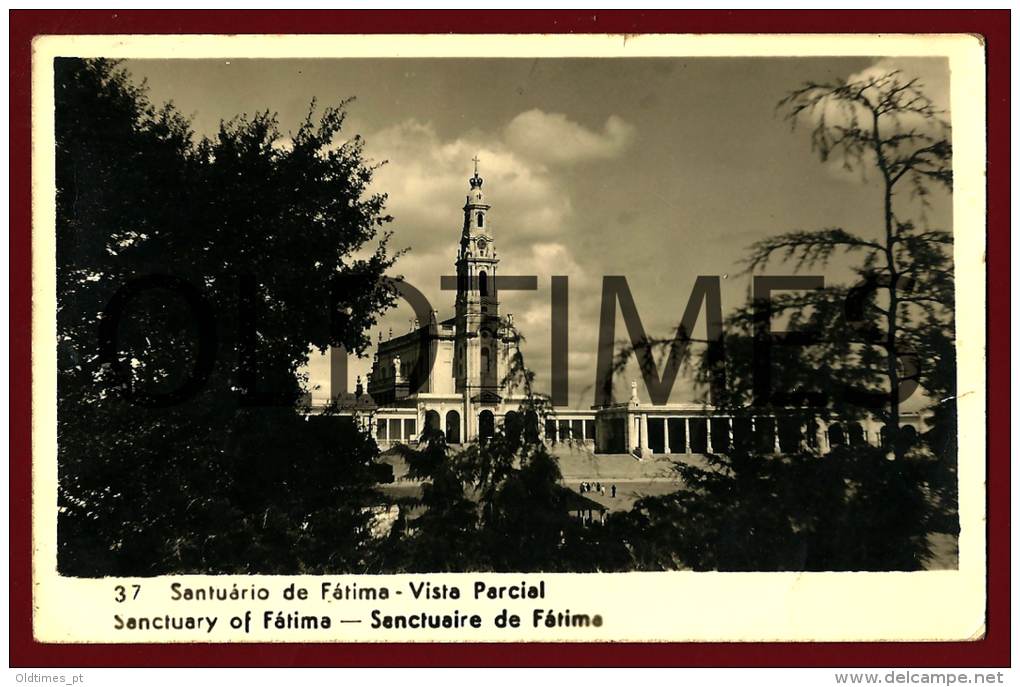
x,y
883,122
252,226
444,535
858,507
500,503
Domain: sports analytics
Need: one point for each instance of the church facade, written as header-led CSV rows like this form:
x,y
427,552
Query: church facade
x,y
462,393
471,351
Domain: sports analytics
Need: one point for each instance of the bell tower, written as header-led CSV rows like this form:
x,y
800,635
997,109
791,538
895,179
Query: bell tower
x,y
476,358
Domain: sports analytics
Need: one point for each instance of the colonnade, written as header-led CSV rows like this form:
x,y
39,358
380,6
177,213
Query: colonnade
x,y
567,428
657,434
699,434
648,433
395,429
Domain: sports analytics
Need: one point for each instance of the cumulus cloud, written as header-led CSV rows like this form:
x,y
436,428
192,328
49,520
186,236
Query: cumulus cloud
x,y
426,181
930,80
545,260
534,316
426,175
554,139
932,75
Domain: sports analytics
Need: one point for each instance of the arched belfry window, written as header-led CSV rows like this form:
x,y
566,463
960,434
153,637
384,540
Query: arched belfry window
x,y
483,283
481,220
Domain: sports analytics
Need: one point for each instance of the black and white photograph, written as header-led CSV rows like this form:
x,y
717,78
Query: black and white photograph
x,y
423,333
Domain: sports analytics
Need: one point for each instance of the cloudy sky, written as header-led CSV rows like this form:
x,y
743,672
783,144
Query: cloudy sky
x,y
656,169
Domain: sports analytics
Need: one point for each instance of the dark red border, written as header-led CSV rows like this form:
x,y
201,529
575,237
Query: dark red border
x,y
993,651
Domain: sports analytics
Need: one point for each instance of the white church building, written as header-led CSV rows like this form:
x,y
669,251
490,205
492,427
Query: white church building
x,y
462,393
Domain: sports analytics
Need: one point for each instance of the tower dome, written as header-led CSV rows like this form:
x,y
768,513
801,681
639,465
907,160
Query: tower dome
x,y
475,196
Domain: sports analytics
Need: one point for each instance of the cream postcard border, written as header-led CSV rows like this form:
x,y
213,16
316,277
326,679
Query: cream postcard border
x,y
677,606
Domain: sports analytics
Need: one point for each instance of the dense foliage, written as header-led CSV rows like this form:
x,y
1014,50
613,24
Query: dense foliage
x,y
859,351
498,505
253,225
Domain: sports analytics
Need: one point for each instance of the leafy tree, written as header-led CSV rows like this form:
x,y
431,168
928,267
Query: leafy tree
x,y
499,504
850,509
903,306
444,537
752,511
523,502
885,122
254,226
526,518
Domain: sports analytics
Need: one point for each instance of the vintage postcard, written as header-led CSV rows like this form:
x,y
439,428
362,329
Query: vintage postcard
x,y
508,338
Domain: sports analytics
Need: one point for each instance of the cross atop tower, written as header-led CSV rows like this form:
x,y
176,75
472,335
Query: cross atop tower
x,y
476,181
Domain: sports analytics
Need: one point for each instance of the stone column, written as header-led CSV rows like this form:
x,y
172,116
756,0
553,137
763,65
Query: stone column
x,y
665,434
775,423
644,434
687,435
708,432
